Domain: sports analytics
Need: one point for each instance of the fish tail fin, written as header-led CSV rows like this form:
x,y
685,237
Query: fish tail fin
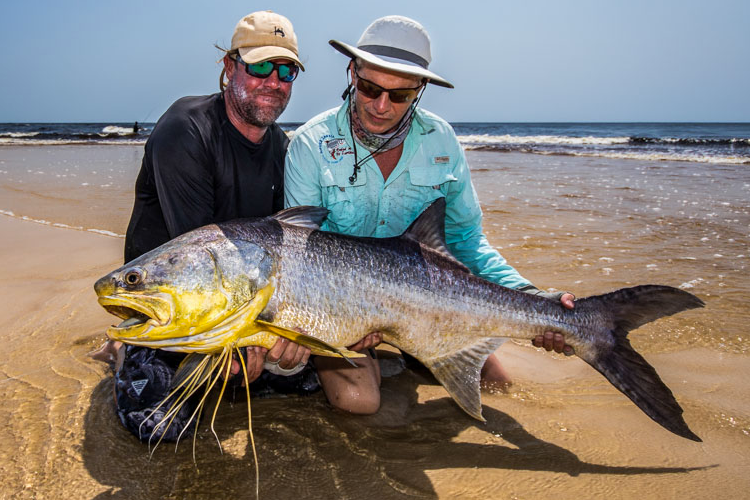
x,y
627,370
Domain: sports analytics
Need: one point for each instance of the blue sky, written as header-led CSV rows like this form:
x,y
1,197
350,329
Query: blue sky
x,y
533,60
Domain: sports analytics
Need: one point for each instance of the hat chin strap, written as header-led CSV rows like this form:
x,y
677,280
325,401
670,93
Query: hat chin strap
x,y
222,85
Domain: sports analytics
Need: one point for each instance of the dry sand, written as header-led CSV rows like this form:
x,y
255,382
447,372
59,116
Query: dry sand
x,y
562,432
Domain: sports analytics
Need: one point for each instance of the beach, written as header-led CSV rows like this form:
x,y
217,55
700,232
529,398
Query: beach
x,y
583,224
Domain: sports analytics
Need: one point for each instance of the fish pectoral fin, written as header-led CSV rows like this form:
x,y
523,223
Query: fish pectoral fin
x,y
317,346
459,372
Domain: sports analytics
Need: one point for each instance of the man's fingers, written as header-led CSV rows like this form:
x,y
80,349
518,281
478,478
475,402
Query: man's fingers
x,y
368,342
558,342
553,341
275,353
287,354
361,345
255,359
372,340
297,358
288,358
294,356
305,356
548,340
568,300
260,359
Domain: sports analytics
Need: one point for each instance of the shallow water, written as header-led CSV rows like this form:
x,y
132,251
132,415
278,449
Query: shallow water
x,y
580,224
592,225
89,187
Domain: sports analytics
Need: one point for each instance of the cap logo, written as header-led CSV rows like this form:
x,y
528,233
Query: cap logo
x,y
278,32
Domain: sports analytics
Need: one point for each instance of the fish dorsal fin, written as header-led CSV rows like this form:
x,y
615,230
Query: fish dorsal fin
x,y
429,230
302,216
460,372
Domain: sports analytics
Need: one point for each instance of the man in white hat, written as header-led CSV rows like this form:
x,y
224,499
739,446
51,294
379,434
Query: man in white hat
x,y
376,162
211,159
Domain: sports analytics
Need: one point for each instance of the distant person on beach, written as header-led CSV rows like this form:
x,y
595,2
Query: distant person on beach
x,y
211,159
376,162
136,128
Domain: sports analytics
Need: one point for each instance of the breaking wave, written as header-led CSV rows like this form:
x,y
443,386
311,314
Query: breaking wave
x,y
702,150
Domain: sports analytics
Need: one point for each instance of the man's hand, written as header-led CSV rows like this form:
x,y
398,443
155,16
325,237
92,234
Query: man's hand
x,y
256,356
285,353
555,341
371,340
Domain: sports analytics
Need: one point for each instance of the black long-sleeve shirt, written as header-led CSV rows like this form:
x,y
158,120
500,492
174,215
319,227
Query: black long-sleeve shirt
x,y
198,169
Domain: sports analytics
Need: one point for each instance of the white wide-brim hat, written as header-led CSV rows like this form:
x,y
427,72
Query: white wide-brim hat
x,y
395,43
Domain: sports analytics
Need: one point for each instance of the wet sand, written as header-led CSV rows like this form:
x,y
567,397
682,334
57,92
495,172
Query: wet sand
x,y
583,225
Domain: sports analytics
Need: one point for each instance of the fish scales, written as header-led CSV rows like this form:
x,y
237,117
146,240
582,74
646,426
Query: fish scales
x,y
394,286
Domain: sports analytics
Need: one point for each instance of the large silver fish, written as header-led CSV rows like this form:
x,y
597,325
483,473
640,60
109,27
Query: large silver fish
x,y
246,282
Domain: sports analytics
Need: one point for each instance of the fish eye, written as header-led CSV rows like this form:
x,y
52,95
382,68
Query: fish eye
x,y
133,277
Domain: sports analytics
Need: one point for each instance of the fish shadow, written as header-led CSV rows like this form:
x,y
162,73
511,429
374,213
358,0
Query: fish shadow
x,y
308,450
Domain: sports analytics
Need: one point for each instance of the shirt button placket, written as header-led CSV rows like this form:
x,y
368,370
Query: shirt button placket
x,y
382,211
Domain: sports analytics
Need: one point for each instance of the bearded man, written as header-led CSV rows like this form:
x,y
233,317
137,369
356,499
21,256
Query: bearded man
x,y
211,159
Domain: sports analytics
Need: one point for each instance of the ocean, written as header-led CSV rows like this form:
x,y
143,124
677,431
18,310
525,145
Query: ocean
x,y
722,143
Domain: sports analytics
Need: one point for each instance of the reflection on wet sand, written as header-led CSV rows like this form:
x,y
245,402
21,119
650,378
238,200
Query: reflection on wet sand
x,y
309,451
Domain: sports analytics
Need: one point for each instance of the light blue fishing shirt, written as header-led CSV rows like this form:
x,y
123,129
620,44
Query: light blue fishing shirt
x,y
320,161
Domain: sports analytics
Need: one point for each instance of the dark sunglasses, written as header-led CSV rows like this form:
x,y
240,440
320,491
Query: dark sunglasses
x,y
287,71
373,90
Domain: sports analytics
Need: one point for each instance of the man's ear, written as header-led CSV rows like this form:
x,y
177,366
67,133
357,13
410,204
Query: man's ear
x,y
229,65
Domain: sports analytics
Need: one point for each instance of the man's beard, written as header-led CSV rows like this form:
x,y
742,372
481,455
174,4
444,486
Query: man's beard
x,y
243,103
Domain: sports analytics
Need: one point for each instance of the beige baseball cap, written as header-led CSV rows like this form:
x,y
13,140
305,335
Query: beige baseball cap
x,y
265,35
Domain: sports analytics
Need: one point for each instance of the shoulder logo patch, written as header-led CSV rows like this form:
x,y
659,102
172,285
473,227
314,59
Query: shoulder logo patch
x,y
333,149
442,159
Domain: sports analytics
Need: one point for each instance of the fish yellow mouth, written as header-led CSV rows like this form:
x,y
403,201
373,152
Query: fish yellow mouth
x,y
139,312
